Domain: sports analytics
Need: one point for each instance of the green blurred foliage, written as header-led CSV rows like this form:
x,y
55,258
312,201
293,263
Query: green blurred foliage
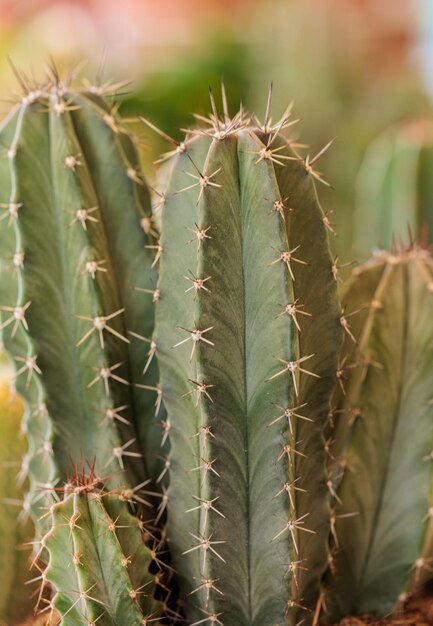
x,y
340,90
168,98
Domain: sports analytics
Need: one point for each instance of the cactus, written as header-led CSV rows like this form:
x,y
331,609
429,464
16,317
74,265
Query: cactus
x,y
247,337
15,603
381,441
75,260
394,188
77,247
98,561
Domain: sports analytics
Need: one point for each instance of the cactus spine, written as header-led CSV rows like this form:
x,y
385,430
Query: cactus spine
x,y
247,336
382,437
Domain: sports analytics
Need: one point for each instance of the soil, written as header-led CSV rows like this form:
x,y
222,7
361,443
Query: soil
x,y
417,612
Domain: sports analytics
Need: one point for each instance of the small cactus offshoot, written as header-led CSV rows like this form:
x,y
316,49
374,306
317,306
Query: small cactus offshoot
x,y
98,562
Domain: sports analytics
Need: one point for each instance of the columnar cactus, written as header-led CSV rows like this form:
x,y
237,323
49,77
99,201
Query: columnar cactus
x,y
98,561
394,188
247,338
77,246
382,436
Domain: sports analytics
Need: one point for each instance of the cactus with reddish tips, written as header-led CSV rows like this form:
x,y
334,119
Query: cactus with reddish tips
x,y
381,436
394,188
247,339
98,562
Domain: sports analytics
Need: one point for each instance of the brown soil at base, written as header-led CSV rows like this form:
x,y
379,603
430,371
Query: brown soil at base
x,y
417,612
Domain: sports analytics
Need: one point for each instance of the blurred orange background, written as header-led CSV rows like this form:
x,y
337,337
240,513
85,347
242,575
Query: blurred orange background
x,y
353,67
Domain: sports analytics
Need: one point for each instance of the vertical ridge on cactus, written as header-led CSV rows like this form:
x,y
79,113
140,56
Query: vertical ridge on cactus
x,y
248,540
118,183
380,456
14,324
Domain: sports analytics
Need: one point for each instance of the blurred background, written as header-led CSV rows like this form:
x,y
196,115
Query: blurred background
x,y
354,68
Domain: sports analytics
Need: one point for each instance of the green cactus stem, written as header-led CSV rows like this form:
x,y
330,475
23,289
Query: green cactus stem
x,y
77,247
247,336
382,436
98,561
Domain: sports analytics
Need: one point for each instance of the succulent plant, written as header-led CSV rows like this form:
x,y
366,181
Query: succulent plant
x,y
253,455
98,564
381,437
395,189
77,247
247,338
